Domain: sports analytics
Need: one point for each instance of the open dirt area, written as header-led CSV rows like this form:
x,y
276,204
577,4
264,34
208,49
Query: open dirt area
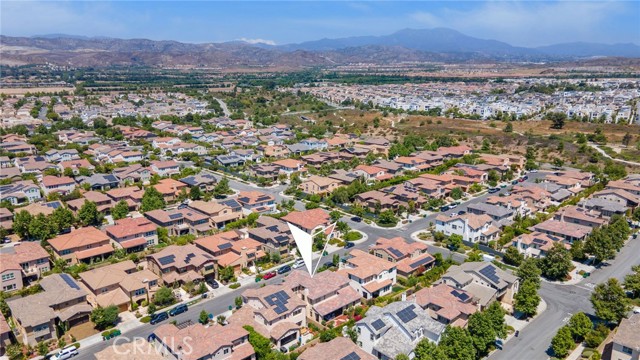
x,y
22,91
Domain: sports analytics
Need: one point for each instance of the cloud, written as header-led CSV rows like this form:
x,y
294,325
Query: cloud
x,y
258,41
531,23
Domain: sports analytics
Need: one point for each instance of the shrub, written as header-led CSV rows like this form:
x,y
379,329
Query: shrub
x,y
596,336
145,319
234,286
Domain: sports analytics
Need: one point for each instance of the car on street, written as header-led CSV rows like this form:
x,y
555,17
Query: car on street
x,y
328,264
178,309
534,171
349,245
453,214
444,208
269,275
298,264
356,219
521,180
284,269
507,193
462,212
158,317
502,186
525,178
514,182
493,190
66,353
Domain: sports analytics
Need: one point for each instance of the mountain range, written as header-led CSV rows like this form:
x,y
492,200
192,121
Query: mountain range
x,y
439,44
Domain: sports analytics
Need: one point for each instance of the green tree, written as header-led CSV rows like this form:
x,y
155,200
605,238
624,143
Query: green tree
x,y
427,350
104,317
580,325
21,223
401,356
226,273
335,215
512,256
456,193
600,244
62,218
89,215
482,332
222,188
557,119
563,342
495,313
204,317
40,228
610,301
632,282
529,270
557,263
163,235
457,344
508,128
195,193
120,211
387,218
527,298
454,242
164,296
238,302
152,200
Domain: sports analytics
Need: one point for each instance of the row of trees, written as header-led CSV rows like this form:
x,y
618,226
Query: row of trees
x,y
44,227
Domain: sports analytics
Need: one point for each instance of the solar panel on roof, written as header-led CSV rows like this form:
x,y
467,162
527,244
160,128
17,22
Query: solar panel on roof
x,y
407,314
282,238
421,262
490,273
175,216
54,204
460,295
244,199
351,356
224,246
72,284
167,259
272,228
378,324
395,251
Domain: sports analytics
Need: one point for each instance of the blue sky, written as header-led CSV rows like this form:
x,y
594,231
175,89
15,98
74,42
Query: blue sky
x,y
522,23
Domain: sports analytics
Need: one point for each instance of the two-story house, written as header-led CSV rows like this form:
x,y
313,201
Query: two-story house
x,y
484,281
180,221
319,185
446,304
82,245
370,275
181,264
22,263
473,228
219,212
120,284
133,234
274,234
257,201
63,185
410,258
626,341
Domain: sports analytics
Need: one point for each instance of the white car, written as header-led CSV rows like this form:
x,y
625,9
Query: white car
x,y
636,310
298,264
66,353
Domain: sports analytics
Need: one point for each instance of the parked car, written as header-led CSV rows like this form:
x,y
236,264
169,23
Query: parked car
x,y
284,269
159,317
453,205
453,214
298,264
66,353
444,208
214,284
514,182
525,177
502,186
328,264
356,219
521,180
462,212
178,309
534,171
493,190
507,193
269,275
349,245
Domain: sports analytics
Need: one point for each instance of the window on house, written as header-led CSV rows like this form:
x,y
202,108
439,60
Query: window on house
x,y
7,277
627,350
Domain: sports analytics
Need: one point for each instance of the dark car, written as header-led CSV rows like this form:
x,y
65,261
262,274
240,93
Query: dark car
x,y
214,284
356,219
493,190
269,275
461,212
159,317
514,182
284,269
444,208
349,245
178,310
525,177
328,264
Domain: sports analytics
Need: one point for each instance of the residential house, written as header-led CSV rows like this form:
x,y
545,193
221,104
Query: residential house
x,y
170,189
220,212
341,348
55,155
484,281
269,172
196,342
275,312
371,173
319,185
412,163
6,335
232,250
390,167
165,168
370,275
204,181
397,328
133,234
62,302
181,264
452,152
603,207
6,219
374,199
620,196
100,182
309,221
76,165
230,160
327,294
501,216
132,174
102,201
20,192
410,258
581,216
537,244
63,185
566,230
473,228
132,195
119,284
21,263
289,166
257,201
446,304
180,221
82,245
626,341
274,234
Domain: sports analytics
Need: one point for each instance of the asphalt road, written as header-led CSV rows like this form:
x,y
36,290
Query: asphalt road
x,y
535,338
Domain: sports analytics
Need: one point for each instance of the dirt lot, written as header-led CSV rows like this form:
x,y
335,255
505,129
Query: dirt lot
x,y
21,91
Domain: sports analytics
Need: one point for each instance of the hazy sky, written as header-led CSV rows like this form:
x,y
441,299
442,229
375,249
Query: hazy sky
x,y
523,23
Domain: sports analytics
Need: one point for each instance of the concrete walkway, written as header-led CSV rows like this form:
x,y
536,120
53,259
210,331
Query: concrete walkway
x,y
595,146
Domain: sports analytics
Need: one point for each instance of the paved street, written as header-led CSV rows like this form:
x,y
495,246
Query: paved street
x,y
534,340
